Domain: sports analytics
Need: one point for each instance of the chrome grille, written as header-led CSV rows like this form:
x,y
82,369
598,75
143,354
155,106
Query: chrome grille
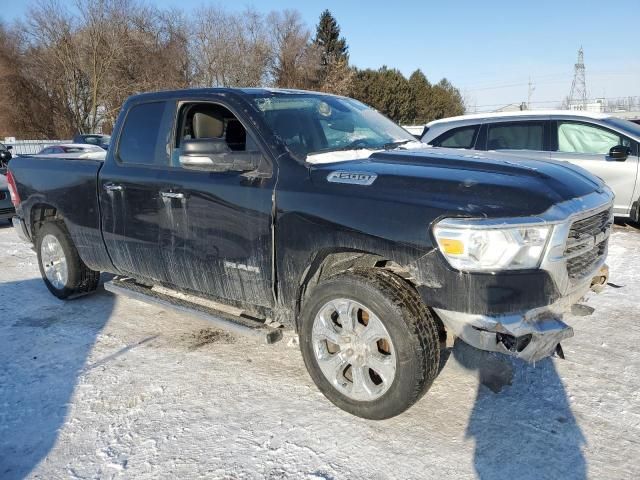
x,y
587,243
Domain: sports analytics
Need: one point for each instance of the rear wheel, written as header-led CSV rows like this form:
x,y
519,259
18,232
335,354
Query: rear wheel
x,y
63,271
369,343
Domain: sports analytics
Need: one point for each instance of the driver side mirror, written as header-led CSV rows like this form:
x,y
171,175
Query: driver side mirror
x,y
214,155
619,153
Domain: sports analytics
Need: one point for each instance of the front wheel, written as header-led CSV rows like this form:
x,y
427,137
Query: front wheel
x,y
63,271
369,343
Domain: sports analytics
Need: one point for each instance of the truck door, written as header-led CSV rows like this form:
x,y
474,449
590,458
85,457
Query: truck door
x,y
587,145
221,220
136,224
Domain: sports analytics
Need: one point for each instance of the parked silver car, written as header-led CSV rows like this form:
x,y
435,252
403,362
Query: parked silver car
x,y
74,150
600,143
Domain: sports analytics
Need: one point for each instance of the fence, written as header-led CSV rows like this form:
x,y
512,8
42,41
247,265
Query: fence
x,y
30,147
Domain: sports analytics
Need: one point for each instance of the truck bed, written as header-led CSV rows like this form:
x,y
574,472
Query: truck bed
x,y
70,185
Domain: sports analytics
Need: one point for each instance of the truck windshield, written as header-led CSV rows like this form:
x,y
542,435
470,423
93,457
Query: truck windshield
x,y
315,123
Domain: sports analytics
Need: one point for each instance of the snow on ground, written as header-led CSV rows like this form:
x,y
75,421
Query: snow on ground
x,y
106,387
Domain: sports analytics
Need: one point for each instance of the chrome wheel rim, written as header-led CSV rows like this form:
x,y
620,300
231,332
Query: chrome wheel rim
x,y
54,261
353,349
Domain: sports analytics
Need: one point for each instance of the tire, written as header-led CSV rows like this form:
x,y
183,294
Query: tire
x,y
379,297
635,212
78,278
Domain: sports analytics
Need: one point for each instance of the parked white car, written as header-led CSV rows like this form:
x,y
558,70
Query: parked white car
x,y
74,150
600,143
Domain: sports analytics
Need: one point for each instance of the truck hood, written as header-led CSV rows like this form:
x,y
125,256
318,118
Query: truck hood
x,y
462,183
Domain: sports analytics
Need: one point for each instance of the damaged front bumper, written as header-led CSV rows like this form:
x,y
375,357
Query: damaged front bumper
x,y
574,261
531,335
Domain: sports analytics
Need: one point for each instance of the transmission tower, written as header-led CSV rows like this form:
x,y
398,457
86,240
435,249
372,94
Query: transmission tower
x,y
578,95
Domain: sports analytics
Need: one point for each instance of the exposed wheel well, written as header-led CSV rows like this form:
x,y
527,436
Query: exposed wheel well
x,y
40,214
329,263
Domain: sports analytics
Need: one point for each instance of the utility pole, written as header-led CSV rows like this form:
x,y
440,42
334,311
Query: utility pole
x,y
530,93
578,95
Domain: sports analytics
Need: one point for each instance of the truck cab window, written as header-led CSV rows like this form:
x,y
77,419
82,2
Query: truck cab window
x,y
213,121
144,135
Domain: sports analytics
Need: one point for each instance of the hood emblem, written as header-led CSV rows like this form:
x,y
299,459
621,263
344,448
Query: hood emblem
x,y
354,178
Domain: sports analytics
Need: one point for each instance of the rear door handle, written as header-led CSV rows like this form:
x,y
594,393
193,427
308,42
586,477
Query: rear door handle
x,y
112,187
172,195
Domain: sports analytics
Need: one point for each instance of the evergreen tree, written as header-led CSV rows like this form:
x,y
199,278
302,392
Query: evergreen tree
x,y
422,96
386,90
413,101
332,46
446,100
335,74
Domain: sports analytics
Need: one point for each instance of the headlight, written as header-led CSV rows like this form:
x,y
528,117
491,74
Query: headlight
x,y
476,246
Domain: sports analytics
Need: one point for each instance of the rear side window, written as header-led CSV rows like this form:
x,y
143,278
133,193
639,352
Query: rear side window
x,y
462,137
143,139
516,136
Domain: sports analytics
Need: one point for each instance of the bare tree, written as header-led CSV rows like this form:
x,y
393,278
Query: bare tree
x,y
296,61
154,56
71,69
71,56
229,49
28,110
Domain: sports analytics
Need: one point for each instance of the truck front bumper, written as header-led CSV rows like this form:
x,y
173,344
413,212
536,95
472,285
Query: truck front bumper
x,y
521,313
531,335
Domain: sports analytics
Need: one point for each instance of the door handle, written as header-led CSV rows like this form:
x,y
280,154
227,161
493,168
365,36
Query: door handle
x,y
112,187
172,195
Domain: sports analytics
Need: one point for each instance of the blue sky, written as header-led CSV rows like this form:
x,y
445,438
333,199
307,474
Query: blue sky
x,y
487,49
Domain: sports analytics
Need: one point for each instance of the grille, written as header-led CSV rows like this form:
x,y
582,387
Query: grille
x,y
4,211
587,243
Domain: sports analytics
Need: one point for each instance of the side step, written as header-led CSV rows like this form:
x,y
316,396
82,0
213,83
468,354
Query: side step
x,y
237,322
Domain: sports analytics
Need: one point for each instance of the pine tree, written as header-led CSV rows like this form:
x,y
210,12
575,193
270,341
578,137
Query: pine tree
x,y
422,95
335,75
332,46
386,90
412,101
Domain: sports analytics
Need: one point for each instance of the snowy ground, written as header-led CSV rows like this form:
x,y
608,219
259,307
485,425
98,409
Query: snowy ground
x,y
105,387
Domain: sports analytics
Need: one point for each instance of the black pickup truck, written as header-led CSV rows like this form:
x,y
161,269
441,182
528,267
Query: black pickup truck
x,y
263,209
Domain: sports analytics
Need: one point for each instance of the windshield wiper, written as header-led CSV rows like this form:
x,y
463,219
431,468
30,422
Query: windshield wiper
x,y
357,145
392,145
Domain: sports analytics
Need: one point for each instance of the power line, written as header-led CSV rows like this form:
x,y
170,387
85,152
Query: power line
x,y
542,102
559,78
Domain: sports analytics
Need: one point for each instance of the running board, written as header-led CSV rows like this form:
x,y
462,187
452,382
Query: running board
x,y
236,322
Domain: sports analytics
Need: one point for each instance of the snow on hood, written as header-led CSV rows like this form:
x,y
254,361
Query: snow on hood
x,y
357,153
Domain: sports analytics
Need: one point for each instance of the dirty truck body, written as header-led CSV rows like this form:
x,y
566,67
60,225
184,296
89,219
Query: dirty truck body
x,y
313,212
